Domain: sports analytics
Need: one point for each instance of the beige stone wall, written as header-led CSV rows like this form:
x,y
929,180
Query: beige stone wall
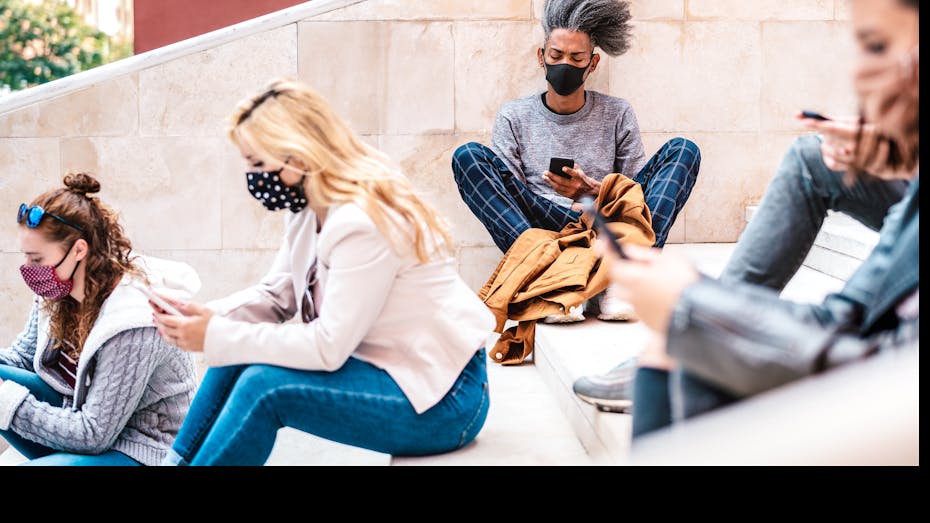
x,y
417,79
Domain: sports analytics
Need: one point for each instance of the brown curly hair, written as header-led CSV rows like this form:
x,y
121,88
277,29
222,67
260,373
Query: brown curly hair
x,y
108,257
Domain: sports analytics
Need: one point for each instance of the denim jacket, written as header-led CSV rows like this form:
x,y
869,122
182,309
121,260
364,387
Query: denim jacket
x,y
745,339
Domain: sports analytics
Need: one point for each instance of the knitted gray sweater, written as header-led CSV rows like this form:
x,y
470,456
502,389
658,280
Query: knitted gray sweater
x,y
132,393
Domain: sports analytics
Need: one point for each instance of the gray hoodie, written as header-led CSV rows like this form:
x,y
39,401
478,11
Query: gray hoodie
x,y
132,389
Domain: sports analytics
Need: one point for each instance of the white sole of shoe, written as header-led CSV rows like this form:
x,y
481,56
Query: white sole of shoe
x,y
620,316
552,321
607,405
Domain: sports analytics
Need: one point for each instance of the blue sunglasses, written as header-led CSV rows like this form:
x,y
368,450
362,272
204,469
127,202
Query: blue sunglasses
x,y
33,216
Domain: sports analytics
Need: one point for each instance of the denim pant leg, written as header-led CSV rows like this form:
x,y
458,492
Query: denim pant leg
x,y
664,397
501,202
208,402
775,243
652,408
359,405
41,391
667,180
691,396
110,458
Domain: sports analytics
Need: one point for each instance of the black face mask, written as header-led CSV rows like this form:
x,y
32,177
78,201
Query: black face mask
x,y
565,79
267,187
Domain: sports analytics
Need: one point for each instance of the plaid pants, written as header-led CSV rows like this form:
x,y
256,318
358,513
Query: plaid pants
x,y
507,207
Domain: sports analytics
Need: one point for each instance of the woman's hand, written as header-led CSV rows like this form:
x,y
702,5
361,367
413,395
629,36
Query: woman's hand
x,y
185,332
575,187
650,280
839,139
839,148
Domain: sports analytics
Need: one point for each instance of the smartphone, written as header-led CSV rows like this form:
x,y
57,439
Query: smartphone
x,y
601,226
814,116
556,164
156,299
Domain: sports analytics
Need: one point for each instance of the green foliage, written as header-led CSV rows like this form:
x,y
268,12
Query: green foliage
x,y
49,40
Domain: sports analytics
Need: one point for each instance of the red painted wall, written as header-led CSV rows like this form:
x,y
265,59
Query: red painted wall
x,y
162,22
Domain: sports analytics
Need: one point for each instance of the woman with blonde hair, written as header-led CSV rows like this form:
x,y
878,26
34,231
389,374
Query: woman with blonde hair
x,y
388,354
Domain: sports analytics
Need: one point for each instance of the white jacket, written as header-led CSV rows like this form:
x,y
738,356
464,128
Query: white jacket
x,y
419,322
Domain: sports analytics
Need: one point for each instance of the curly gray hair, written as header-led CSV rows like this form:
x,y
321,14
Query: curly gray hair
x,y
606,22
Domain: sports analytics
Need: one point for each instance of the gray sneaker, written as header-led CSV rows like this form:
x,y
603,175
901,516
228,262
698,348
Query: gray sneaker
x,y
611,392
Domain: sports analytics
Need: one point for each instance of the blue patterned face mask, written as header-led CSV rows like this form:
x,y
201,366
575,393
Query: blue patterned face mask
x,y
267,187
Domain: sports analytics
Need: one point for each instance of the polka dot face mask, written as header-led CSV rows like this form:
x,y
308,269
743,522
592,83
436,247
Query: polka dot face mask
x,y
267,187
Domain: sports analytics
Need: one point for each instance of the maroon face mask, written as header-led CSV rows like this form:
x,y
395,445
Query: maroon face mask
x,y
44,282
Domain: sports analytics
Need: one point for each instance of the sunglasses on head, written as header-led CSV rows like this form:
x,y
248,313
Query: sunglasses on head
x,y
33,216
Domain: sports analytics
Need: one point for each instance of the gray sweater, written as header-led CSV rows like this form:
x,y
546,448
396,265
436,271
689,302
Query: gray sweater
x,y
602,137
132,390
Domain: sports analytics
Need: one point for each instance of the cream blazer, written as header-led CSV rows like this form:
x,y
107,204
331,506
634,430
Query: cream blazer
x,y
419,322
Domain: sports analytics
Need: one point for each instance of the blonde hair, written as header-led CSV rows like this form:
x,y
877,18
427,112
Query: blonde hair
x,y
290,120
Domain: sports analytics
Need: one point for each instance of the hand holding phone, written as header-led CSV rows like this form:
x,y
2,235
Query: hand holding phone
x,y
587,203
156,299
556,165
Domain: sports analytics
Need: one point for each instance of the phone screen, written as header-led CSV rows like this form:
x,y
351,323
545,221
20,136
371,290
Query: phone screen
x,y
157,300
814,115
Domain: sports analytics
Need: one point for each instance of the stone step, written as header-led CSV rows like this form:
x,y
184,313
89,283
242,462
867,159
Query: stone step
x,y
840,246
567,352
845,235
524,427
866,413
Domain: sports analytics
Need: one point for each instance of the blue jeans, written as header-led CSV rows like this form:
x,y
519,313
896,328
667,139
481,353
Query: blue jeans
x,y
661,397
236,414
40,455
507,207
777,240
775,243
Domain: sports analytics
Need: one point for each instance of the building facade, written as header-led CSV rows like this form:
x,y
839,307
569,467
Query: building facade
x,y
113,17
161,22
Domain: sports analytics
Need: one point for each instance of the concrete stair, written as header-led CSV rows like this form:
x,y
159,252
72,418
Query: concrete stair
x,y
841,246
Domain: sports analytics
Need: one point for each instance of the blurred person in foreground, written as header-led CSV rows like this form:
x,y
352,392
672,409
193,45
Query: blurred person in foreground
x,y
717,341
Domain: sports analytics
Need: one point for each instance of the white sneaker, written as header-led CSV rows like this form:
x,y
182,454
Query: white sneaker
x,y
574,314
613,308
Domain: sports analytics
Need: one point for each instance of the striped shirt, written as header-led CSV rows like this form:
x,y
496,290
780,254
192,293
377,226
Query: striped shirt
x,y
65,367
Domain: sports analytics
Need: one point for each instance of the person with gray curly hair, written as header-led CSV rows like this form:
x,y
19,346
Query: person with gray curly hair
x,y
508,185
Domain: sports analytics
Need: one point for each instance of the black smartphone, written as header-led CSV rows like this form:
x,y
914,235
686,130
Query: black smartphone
x,y
556,164
600,225
814,115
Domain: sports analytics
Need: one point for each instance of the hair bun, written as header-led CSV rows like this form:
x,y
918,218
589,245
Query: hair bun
x,y
81,183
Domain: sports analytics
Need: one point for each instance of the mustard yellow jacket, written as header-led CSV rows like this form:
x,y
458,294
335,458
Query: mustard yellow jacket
x,y
546,272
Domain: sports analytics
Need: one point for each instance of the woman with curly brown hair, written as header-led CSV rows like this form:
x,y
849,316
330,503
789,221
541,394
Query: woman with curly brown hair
x,y
89,381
